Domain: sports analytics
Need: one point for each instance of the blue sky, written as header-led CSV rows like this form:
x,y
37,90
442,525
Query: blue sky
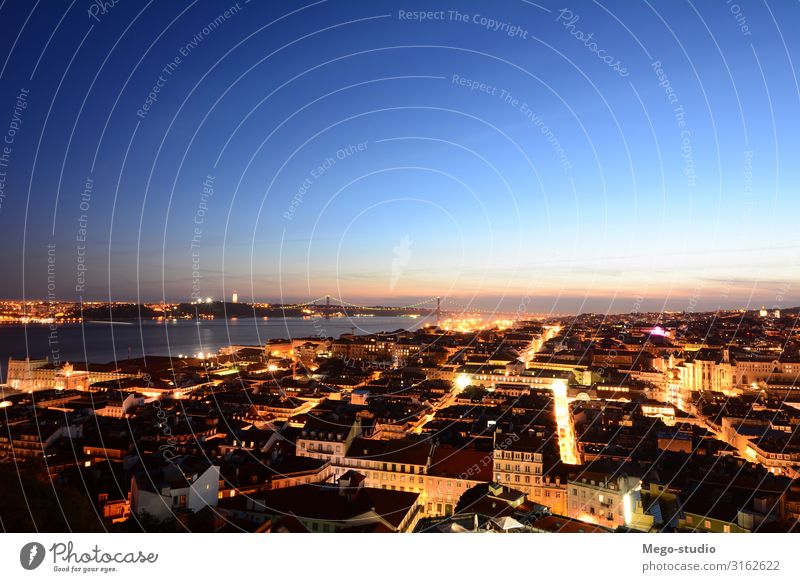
x,y
500,155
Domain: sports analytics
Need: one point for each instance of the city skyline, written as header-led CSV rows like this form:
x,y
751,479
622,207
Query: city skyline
x,y
520,162
455,306
368,266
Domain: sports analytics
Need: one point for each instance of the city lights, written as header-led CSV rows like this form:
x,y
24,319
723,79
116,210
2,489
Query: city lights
x,y
506,268
566,432
462,381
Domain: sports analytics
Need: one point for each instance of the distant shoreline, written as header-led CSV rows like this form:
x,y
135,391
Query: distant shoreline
x,y
134,320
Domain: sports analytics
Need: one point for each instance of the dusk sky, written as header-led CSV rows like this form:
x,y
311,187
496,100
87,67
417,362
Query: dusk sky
x,y
355,151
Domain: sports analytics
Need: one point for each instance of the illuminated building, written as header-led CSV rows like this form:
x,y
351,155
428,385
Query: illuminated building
x,y
397,464
763,442
656,409
450,473
603,494
32,375
763,368
489,377
29,375
397,348
705,369
328,438
438,473
580,371
519,463
716,370
278,349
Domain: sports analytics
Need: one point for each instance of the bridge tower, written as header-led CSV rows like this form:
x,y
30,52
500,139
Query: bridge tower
x,y
327,307
438,310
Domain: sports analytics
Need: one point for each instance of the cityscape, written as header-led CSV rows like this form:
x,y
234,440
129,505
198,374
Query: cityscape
x,y
649,422
399,266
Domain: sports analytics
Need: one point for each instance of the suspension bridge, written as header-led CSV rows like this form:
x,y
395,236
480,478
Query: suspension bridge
x,y
437,305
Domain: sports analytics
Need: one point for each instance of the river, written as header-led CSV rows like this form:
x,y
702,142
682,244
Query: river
x,y
103,342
